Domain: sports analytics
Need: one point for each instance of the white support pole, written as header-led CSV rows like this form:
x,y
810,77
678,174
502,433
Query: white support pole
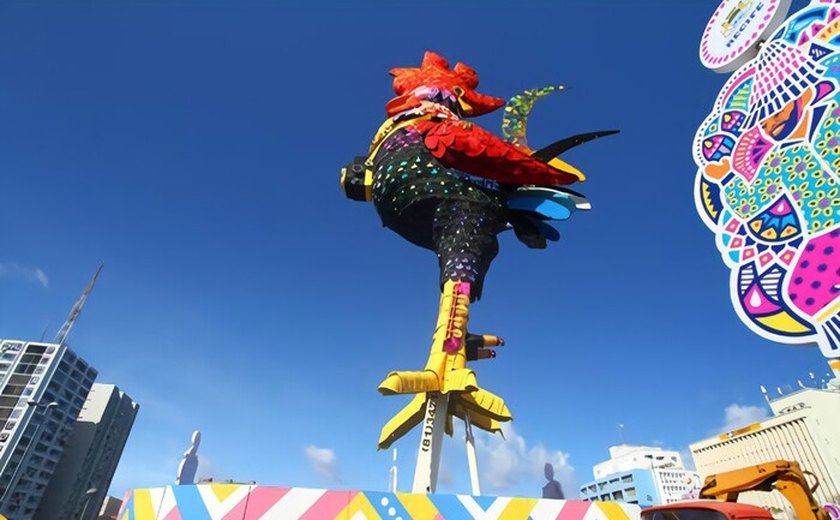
x,y
469,440
431,442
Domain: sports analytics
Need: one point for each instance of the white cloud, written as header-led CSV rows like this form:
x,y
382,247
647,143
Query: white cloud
x,y
19,272
42,277
206,469
323,461
505,462
737,416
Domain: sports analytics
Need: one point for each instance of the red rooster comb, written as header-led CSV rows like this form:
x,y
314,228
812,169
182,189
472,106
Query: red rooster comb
x,y
460,81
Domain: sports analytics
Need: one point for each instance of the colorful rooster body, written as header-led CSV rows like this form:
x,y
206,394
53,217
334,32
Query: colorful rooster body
x,y
449,186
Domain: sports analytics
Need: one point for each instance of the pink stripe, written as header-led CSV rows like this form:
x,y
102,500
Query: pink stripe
x,y
573,510
173,515
238,510
261,499
329,505
124,503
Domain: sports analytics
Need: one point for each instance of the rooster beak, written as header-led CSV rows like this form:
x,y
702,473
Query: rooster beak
x,y
401,104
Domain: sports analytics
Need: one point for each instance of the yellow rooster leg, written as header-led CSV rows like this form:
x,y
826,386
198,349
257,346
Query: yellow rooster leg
x,y
446,367
446,373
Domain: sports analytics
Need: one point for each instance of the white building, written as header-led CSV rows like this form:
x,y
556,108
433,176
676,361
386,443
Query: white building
x,y
81,480
42,388
625,457
642,475
805,428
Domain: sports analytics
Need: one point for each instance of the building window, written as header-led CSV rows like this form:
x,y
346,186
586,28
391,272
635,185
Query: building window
x,y
631,492
627,478
617,495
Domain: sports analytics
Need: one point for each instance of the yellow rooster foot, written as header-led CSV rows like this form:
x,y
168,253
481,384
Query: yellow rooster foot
x,y
446,372
476,346
427,381
486,411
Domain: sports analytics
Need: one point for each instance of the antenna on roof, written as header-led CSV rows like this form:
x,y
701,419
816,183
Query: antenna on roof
x,y
764,393
61,337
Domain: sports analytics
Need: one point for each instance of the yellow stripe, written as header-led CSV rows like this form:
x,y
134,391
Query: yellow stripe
x,y
360,503
746,429
560,164
143,509
518,509
612,510
223,491
782,321
368,184
831,311
418,506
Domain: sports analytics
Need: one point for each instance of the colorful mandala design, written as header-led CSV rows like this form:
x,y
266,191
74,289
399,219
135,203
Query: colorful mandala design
x,y
768,182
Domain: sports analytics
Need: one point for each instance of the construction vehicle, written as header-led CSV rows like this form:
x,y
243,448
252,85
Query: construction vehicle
x,y
706,510
786,477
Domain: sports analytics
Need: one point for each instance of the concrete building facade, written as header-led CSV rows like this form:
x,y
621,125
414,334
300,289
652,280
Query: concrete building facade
x,y
81,480
805,428
42,389
641,475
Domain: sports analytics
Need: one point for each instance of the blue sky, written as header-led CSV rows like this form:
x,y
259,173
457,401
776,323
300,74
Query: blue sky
x,y
194,148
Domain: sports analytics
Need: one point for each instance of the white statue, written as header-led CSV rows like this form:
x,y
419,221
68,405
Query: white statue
x,y
189,464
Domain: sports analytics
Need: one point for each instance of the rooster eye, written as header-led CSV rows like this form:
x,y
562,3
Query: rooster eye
x,y
458,90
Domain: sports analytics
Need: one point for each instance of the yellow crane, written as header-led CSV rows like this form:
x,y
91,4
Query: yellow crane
x,y
786,477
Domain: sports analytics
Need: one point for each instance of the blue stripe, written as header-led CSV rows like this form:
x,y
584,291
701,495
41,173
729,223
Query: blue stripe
x,y
449,506
190,504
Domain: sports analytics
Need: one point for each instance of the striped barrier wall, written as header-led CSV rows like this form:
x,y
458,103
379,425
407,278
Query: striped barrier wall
x,y
252,502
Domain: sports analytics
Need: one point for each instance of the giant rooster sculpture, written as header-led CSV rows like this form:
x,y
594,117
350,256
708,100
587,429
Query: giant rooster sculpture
x,y
449,186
